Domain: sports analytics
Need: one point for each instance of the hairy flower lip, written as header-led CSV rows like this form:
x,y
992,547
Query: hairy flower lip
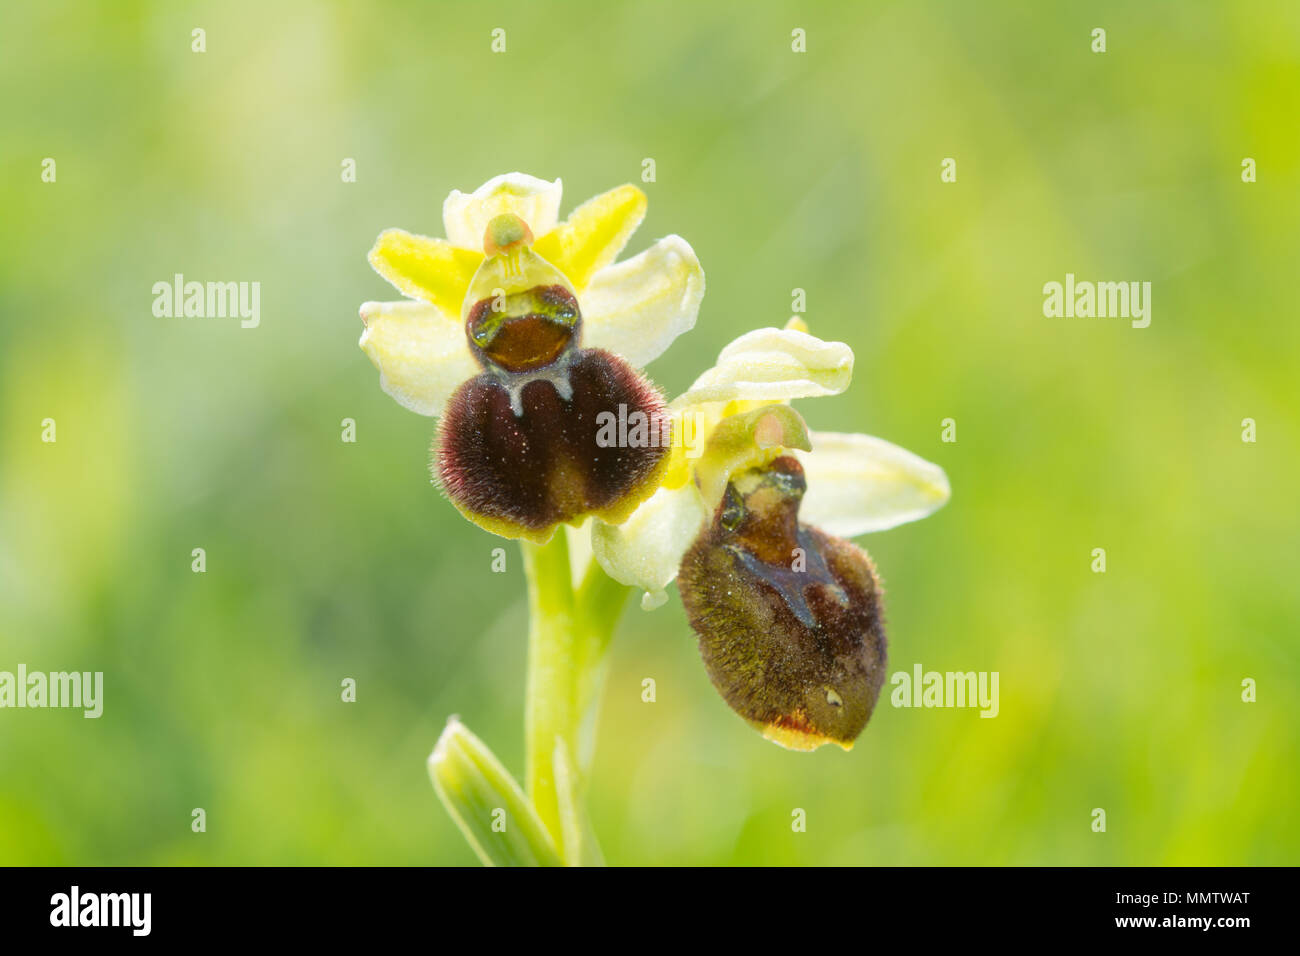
x,y
795,647
520,459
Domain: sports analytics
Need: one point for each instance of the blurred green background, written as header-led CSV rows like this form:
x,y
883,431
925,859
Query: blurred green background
x,y
820,171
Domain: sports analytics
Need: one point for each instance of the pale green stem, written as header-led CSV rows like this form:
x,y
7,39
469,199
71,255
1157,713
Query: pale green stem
x,y
569,633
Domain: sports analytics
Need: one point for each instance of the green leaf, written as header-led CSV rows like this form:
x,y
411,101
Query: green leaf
x,y
486,803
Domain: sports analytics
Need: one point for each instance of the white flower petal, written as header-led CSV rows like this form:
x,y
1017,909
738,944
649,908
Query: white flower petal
x,y
421,353
637,307
773,365
858,484
646,549
535,201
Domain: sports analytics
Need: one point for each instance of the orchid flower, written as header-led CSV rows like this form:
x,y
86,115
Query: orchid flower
x,y
519,330
750,523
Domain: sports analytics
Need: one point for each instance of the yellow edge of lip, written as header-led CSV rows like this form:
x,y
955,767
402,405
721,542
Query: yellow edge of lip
x,y
797,739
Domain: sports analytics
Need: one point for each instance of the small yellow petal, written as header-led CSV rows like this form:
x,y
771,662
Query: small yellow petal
x,y
594,234
429,269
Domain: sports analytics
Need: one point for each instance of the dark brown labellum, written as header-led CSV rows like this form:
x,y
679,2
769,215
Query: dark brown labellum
x,y
789,619
520,469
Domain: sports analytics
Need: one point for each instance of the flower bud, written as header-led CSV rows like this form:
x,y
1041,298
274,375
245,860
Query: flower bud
x,y
789,618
